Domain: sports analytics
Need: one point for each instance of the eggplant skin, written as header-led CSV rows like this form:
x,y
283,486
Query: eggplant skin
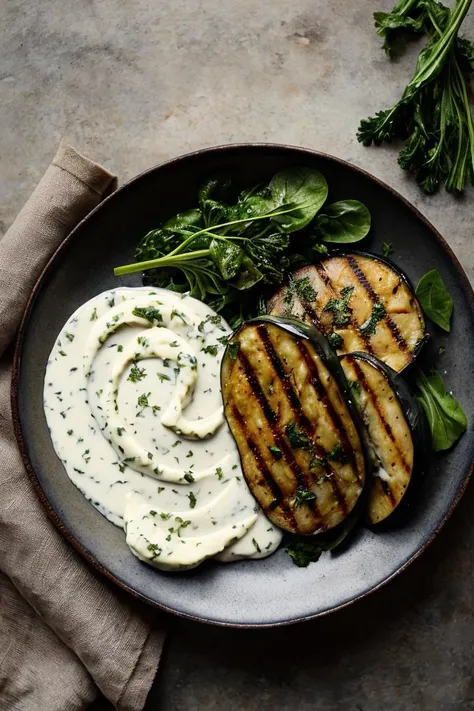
x,y
388,434
301,453
376,288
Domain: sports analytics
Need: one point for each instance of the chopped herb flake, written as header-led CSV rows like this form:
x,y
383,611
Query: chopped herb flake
x,y
368,328
211,350
136,373
148,313
340,308
302,496
276,451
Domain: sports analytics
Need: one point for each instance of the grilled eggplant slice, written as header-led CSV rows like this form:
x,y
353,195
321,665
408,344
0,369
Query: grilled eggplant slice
x,y
361,303
394,430
289,409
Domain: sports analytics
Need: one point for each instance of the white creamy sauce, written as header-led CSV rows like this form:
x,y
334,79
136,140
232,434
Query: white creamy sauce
x,y
133,403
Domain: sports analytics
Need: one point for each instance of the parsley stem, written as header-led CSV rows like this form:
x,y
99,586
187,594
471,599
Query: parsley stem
x,y
169,260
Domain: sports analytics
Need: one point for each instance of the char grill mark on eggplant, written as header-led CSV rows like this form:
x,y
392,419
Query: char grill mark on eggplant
x,y
402,344
278,501
298,412
332,414
390,437
273,424
372,396
300,449
383,316
365,340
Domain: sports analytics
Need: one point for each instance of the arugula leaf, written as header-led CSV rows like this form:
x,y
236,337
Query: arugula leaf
x,y
435,299
445,415
387,249
343,222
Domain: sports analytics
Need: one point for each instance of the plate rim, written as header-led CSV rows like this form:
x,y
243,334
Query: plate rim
x,y
16,368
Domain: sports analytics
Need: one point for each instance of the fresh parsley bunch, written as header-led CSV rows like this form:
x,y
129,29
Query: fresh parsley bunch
x,y
433,116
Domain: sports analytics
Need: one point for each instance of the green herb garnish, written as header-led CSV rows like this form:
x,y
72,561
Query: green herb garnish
x,y
211,349
302,288
339,308
276,451
370,326
335,340
148,313
302,496
297,438
136,374
233,350
143,400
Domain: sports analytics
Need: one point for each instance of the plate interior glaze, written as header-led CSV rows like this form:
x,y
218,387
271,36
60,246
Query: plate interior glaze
x,y
248,593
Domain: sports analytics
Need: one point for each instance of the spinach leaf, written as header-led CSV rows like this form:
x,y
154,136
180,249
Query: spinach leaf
x,y
183,220
343,222
225,252
304,190
247,276
227,256
216,188
445,415
255,202
304,550
214,212
435,299
264,251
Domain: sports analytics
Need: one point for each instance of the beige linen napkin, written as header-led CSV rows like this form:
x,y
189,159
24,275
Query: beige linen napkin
x,y
65,632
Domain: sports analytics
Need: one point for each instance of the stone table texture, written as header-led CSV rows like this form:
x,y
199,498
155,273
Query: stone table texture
x,y
134,83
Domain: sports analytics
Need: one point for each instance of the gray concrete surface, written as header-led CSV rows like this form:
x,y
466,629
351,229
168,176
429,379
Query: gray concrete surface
x,y
133,83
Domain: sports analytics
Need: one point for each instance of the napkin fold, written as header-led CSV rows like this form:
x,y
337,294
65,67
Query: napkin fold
x,y
65,632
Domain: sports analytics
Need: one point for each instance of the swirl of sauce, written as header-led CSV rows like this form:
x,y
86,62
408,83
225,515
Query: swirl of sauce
x,y
133,403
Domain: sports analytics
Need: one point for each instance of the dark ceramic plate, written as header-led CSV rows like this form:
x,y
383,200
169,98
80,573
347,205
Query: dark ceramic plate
x,y
273,591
